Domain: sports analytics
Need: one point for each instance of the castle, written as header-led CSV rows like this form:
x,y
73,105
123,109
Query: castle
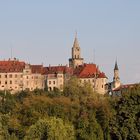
x,y
16,75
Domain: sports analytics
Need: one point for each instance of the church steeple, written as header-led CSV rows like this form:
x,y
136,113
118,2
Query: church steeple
x,y
76,44
116,78
76,52
76,59
116,66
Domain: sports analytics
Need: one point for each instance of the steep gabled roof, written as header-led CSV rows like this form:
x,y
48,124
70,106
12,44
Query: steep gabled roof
x,y
76,44
88,71
102,75
116,66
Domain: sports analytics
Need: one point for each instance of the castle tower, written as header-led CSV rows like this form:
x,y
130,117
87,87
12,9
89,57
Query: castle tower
x,y
76,59
116,79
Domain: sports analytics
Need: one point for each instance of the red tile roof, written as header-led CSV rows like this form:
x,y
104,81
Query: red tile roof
x,y
37,69
102,75
88,71
58,69
11,66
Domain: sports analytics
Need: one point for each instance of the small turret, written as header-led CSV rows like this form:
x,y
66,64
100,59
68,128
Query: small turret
x,y
116,78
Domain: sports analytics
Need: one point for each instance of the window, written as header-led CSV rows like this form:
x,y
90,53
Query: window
x,y
49,82
10,82
5,76
0,82
50,89
15,75
10,76
0,76
36,77
54,82
5,82
27,77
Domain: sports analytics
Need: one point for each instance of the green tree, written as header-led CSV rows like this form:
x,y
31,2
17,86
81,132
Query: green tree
x,y
125,123
51,129
87,127
4,135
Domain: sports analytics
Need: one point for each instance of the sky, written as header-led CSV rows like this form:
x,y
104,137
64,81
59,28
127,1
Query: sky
x,y
43,31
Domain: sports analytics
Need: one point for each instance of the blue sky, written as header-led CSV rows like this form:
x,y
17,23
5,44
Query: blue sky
x,y
42,31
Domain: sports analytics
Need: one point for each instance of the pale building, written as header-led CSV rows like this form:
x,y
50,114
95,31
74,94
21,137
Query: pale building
x,y
33,77
87,72
56,76
90,73
17,76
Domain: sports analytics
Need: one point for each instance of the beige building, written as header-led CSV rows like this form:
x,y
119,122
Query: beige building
x,y
56,76
17,76
90,73
87,72
33,77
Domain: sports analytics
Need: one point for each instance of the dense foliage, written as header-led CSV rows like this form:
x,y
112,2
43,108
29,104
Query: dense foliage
x,y
76,113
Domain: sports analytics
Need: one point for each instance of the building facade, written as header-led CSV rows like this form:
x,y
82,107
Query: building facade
x,y
16,75
56,76
90,73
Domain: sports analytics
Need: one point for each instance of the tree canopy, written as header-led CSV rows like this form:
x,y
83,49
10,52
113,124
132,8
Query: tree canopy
x,y
76,113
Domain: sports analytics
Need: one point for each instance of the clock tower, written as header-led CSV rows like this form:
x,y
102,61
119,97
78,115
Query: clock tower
x,y
76,59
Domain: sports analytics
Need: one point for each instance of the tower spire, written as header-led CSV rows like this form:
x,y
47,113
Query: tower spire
x,y
76,59
76,44
116,79
75,33
116,66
